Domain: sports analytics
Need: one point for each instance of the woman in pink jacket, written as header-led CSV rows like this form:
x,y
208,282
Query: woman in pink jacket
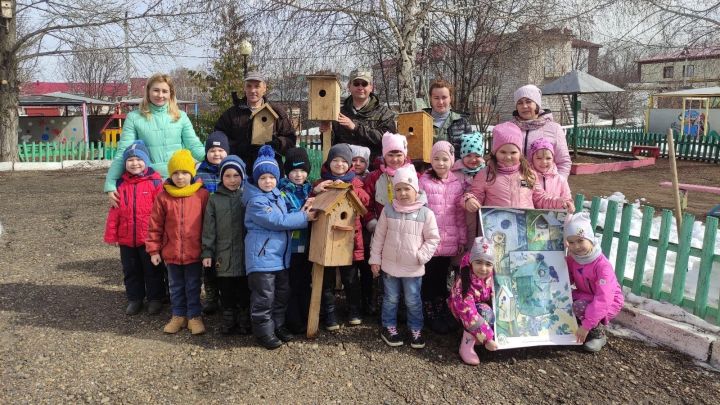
x,y
508,180
406,237
538,123
597,297
542,159
444,195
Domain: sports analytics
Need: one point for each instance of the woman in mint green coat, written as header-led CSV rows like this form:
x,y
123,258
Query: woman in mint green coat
x,y
161,125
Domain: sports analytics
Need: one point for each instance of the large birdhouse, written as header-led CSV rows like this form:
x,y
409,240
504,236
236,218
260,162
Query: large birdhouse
x,y
263,124
324,98
333,233
417,126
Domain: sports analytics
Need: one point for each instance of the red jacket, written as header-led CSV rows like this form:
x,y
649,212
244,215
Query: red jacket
x,y
176,227
378,195
127,224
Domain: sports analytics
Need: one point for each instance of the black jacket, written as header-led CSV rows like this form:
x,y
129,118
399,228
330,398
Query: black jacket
x,y
453,130
371,122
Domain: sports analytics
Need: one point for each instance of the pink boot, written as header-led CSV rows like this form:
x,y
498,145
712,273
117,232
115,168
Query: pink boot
x,y
467,349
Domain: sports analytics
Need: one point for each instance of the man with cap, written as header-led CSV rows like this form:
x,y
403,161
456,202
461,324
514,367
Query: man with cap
x,y
363,118
236,122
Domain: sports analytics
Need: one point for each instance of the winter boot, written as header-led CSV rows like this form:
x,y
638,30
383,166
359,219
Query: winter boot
x,y
134,308
434,319
196,325
176,324
211,294
270,342
154,307
596,339
467,349
244,326
228,322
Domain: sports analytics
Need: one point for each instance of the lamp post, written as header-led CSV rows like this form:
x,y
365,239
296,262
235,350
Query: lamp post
x,y
245,51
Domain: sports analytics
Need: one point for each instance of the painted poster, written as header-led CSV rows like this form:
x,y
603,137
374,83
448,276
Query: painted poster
x,y
532,297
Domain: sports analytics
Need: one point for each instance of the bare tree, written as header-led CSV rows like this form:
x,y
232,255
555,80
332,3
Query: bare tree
x,y
619,69
93,71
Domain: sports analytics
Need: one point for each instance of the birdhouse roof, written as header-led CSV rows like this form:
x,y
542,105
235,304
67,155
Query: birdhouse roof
x,y
552,221
334,194
530,270
506,291
323,77
264,107
414,113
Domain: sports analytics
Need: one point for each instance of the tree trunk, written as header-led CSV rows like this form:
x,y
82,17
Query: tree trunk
x,y
406,82
10,90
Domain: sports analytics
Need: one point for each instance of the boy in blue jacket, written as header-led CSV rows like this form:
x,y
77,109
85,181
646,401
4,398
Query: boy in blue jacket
x,y
267,249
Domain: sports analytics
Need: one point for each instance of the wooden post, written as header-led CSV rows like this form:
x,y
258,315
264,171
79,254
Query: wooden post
x,y
676,187
314,313
326,138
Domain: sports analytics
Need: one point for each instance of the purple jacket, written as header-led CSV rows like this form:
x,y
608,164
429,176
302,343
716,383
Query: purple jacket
x,y
596,283
464,308
444,198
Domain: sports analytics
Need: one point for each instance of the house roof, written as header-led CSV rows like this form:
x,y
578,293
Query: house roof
x,y
136,101
59,99
106,90
685,53
702,92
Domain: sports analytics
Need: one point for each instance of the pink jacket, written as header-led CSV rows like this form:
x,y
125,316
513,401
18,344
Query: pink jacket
x,y
545,127
511,190
554,184
464,307
444,198
404,241
465,179
596,283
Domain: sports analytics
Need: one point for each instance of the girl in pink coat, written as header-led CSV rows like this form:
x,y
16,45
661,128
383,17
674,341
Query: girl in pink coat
x,y
508,180
542,159
471,300
444,195
597,297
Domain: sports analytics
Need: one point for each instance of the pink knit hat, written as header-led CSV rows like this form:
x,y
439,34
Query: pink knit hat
x,y
541,143
529,91
443,147
392,142
407,175
505,133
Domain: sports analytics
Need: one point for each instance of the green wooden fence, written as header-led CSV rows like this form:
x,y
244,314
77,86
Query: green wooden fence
x,y
702,148
59,151
698,304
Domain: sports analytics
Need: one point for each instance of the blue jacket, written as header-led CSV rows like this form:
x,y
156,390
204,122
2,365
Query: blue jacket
x,y
295,197
269,229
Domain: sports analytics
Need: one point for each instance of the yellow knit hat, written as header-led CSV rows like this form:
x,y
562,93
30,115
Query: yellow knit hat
x,y
181,160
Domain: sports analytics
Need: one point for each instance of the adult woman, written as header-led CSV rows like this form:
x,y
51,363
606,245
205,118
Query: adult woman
x,y
449,125
161,125
538,123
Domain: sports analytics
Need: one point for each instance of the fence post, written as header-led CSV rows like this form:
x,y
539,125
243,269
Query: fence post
x,y
706,262
661,254
579,200
639,273
594,210
681,260
609,227
621,257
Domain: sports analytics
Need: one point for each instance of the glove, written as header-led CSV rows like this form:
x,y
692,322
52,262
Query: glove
x,y
370,226
275,144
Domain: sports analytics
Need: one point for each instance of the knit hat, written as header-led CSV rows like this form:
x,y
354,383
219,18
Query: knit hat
x,y
482,249
232,162
392,142
181,160
360,151
297,158
505,133
541,143
341,150
443,147
137,149
217,139
529,91
265,163
579,225
407,175
472,143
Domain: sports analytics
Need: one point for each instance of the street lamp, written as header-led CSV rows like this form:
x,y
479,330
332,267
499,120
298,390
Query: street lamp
x,y
245,51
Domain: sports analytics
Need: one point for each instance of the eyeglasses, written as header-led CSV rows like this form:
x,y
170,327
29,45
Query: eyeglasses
x,y
360,83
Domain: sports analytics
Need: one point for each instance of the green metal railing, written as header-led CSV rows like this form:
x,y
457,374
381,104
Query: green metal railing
x,y
59,151
698,304
701,148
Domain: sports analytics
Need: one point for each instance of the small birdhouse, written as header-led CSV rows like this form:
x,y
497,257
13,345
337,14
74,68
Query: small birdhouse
x,y
263,124
333,233
324,98
417,126
533,280
507,307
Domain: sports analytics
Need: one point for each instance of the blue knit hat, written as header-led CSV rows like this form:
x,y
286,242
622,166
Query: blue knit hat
x,y
472,143
137,149
265,163
217,139
232,162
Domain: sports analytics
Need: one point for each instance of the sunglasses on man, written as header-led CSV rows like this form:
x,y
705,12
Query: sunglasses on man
x,y
360,83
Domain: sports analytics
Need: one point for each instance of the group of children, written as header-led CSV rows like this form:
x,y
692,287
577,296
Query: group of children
x,y
251,236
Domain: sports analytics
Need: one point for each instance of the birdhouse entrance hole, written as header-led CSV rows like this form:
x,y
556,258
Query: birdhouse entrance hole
x,y
322,93
343,215
264,119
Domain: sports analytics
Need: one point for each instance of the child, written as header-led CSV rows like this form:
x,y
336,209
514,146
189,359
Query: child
x,y
405,239
508,180
127,226
337,170
471,158
444,197
542,159
597,297
267,256
295,190
216,149
471,300
174,237
222,244
360,160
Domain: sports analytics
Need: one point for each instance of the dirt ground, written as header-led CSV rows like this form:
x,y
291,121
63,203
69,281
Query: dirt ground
x,y
64,337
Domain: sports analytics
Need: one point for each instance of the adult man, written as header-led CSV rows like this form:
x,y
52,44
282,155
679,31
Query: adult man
x,y
236,122
363,119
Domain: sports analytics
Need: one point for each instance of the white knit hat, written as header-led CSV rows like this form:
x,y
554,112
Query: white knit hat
x,y
529,91
407,175
482,249
579,225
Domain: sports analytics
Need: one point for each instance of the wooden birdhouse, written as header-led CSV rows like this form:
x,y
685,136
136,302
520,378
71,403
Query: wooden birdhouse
x,y
507,307
417,126
333,233
263,124
323,98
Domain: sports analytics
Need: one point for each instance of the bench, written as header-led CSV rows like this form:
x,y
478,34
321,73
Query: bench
x,y
652,151
685,188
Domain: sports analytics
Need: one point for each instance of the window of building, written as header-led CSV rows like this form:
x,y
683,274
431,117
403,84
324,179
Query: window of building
x,y
688,70
668,72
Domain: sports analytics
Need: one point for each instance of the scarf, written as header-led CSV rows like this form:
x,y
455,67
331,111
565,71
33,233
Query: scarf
x,y
507,169
471,172
590,257
293,194
407,208
439,119
326,174
179,192
537,123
